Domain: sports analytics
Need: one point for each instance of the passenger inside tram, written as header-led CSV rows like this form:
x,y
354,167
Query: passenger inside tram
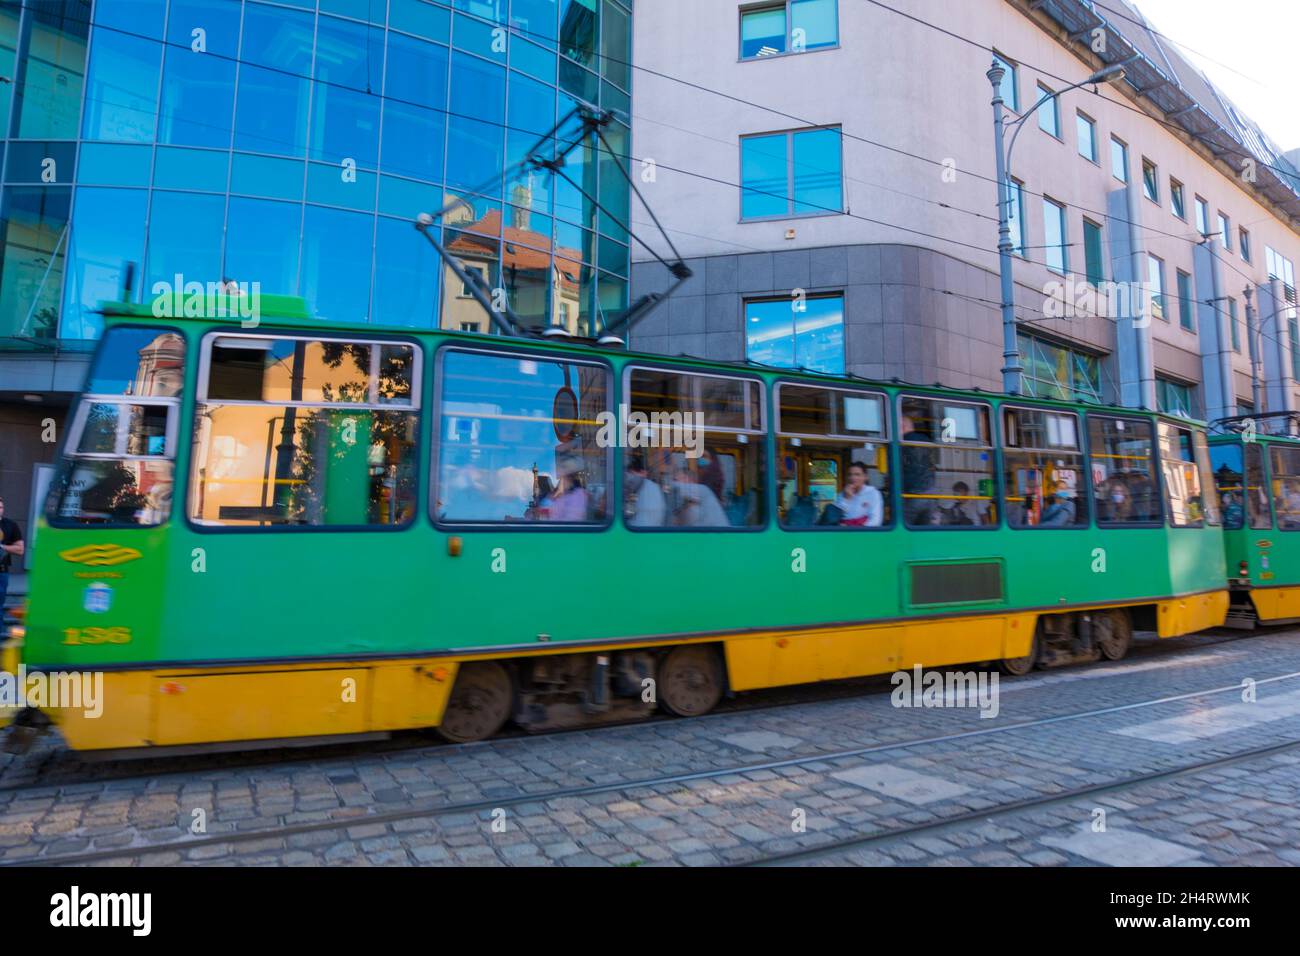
x,y
859,505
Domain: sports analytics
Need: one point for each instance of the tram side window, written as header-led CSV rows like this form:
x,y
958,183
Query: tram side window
x,y
119,461
1043,462
1182,477
519,440
304,432
948,467
1238,471
1123,480
695,454
1285,463
834,458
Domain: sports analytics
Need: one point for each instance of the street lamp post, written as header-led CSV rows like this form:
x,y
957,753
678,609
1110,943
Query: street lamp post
x,y
1011,367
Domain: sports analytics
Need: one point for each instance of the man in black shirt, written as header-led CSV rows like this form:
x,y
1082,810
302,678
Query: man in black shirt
x,y
11,543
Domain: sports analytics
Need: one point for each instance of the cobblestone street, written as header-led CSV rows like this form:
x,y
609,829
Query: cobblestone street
x,y
1163,759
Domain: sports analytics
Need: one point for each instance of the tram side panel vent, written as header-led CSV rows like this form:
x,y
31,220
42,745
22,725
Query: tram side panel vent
x,y
966,582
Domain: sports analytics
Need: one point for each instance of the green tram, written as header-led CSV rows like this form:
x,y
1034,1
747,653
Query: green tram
x,y
1258,480
300,531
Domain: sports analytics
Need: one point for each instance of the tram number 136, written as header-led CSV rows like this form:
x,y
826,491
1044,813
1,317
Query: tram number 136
x,y
96,635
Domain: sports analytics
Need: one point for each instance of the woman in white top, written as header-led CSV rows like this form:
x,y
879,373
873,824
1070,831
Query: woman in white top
x,y
860,503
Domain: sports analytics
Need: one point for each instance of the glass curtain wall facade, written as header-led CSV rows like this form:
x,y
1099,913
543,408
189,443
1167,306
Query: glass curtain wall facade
x,y
292,144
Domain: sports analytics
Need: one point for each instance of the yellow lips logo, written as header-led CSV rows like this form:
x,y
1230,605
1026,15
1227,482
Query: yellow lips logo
x,y
100,555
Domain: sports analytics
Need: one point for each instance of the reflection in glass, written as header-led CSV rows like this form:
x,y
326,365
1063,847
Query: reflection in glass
x,y
194,251
518,441
797,333
475,147
336,251
32,250
262,243
98,256
122,91
274,84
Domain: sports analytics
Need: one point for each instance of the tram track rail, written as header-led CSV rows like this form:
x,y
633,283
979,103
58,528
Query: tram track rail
x,y
957,821
436,810
415,743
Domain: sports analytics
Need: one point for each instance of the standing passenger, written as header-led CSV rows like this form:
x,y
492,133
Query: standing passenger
x,y
648,507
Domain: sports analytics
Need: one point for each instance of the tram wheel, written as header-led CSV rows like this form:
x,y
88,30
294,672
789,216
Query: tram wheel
x,y
1114,634
1020,666
690,680
479,705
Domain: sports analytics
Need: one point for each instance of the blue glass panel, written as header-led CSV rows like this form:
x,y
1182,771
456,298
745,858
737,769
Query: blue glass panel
x,y
122,89
33,247
762,33
764,172
262,243
271,111
266,176
769,332
218,19
114,164
198,95
475,147
531,115
336,257
47,94
813,24
144,17
580,83
41,162
345,101
107,232
406,276
533,60
190,169
416,93
407,199
494,10
478,37
616,45
536,19
613,256
580,167
184,238
578,30
817,177
326,184
372,10
819,335
419,17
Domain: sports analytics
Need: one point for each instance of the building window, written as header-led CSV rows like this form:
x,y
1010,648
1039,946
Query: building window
x,y
1054,371
795,26
1118,160
1093,263
1087,130
797,333
1156,273
1177,200
1243,243
1054,247
1016,217
1202,216
1185,301
1175,398
798,173
1283,269
1049,113
1232,324
1225,232
1010,87
1150,181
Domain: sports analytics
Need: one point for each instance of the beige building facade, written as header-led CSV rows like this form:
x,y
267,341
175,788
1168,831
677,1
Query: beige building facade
x,y
840,158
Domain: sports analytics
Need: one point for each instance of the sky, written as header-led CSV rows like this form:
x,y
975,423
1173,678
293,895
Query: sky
x,y
1248,50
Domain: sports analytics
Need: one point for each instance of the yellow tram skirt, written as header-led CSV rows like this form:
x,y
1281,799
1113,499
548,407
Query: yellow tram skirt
x,y
183,706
